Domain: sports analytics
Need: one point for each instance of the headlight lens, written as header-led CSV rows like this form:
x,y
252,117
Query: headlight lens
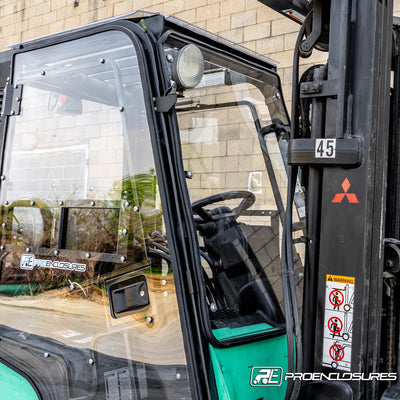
x,y
188,67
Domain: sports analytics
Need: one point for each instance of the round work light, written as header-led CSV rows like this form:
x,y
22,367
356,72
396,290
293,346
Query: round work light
x,y
188,67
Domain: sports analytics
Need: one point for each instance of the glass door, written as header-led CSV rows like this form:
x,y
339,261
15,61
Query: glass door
x,y
87,296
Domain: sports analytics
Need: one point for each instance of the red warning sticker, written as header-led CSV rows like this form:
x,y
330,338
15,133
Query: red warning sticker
x,y
335,325
336,352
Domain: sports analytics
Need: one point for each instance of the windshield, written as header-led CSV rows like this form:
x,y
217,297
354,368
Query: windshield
x,y
237,186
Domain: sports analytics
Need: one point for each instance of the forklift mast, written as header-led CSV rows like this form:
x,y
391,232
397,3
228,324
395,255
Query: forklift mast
x,y
349,163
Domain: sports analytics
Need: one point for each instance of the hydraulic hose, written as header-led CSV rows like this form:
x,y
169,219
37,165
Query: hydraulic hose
x,y
295,350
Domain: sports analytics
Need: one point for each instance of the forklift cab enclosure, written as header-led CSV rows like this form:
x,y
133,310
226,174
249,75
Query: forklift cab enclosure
x,y
141,206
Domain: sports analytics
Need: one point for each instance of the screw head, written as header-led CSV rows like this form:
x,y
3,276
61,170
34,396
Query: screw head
x,y
163,282
127,203
28,249
33,203
165,294
56,252
102,60
124,231
4,225
2,177
6,203
136,209
42,72
170,58
149,320
92,203
87,255
213,307
189,174
91,361
121,108
2,247
46,355
123,259
142,293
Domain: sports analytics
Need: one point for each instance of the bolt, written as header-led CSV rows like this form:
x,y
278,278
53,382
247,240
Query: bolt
x,y
33,203
136,209
87,255
61,203
2,177
102,61
2,247
142,293
149,320
13,112
170,58
189,174
277,96
178,376
213,307
91,361
28,249
56,252
127,203
124,231
165,294
3,224
163,282
301,275
123,259
6,203
42,72
92,203
46,355
389,263
18,99
121,108
15,86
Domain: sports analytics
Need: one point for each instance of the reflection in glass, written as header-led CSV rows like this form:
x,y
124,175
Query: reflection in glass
x,y
80,211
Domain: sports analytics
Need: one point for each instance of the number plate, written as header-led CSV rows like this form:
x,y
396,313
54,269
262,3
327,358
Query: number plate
x,y
325,148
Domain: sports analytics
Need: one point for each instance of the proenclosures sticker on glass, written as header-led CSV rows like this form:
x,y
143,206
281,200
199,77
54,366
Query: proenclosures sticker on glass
x,y
338,323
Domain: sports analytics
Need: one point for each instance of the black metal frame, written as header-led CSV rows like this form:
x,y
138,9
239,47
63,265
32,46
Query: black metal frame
x,y
350,236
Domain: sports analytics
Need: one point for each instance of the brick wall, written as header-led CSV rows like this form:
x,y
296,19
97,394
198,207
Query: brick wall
x,y
244,21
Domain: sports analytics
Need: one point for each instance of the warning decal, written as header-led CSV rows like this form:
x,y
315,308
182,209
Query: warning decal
x,y
338,322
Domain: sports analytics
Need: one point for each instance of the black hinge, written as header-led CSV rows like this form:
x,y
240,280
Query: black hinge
x,y
165,103
12,99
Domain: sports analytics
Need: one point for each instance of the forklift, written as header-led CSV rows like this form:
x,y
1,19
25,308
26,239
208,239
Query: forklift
x,y
168,232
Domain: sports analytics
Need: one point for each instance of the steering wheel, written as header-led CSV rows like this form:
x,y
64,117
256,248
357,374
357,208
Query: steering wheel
x,y
248,200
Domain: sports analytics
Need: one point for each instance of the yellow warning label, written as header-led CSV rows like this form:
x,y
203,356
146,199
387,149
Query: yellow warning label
x,y
340,279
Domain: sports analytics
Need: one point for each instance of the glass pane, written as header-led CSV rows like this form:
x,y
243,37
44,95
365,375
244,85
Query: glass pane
x,y
238,191
87,294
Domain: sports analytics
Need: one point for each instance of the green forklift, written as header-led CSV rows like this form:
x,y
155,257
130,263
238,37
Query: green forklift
x,y
143,184
167,233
